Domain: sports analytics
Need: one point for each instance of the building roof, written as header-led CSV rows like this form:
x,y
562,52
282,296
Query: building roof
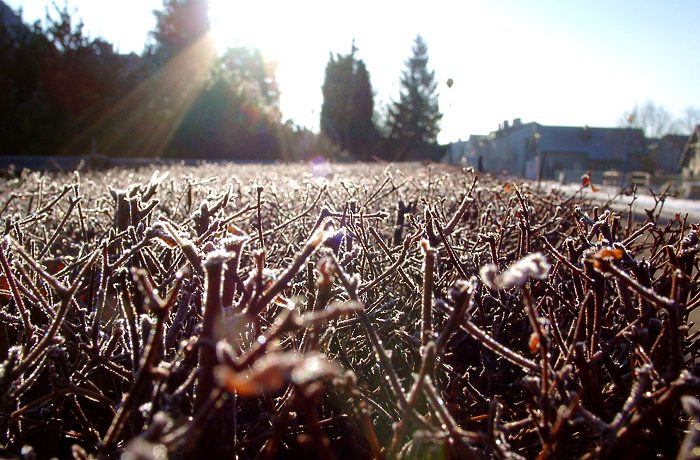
x,y
11,21
597,143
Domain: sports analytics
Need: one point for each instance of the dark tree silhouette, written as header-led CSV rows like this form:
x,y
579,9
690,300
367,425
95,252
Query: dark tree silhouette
x,y
236,116
348,105
87,75
414,120
178,25
55,81
28,121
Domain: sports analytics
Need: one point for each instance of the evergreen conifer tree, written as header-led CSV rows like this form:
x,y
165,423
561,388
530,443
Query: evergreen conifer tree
x,y
348,104
414,120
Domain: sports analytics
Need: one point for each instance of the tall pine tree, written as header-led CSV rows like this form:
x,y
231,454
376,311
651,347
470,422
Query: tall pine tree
x,y
348,105
414,120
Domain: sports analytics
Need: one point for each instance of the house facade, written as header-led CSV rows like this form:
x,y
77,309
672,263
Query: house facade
x,y
463,152
690,161
665,153
537,151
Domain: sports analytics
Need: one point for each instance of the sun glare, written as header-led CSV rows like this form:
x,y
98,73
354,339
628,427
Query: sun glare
x,y
249,24
287,35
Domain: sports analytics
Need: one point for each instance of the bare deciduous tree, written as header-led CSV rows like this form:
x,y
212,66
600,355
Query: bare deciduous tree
x,y
689,120
654,119
657,121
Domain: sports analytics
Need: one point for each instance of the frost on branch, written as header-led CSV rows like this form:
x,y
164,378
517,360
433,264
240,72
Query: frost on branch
x,y
534,265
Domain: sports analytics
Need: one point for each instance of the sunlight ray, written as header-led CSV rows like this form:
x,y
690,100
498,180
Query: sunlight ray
x,y
144,121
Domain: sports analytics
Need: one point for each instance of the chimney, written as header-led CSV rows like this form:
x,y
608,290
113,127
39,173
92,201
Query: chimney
x,y
517,122
505,125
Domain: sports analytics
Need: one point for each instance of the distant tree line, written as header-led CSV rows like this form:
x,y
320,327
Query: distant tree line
x,y
54,80
67,93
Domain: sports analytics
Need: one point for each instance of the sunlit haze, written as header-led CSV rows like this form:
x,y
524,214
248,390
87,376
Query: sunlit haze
x,y
560,63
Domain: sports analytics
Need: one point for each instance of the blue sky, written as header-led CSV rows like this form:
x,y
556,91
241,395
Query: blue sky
x,y
555,62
